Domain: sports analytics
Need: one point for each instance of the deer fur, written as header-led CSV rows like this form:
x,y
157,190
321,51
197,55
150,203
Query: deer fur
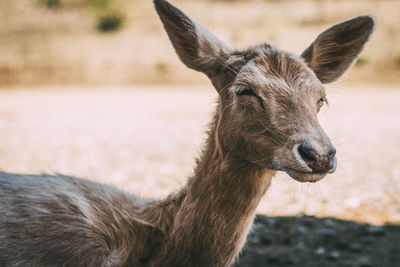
x,y
268,101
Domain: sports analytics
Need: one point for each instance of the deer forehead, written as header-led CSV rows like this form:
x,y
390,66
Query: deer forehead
x,y
271,72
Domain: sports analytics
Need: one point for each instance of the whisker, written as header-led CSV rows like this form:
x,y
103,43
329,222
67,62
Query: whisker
x,y
226,66
226,86
273,135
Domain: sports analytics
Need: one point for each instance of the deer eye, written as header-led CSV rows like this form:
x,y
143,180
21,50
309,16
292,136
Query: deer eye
x,y
321,102
247,91
244,91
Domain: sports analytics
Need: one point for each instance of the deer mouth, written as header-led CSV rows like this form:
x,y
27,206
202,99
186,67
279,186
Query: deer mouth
x,y
301,176
301,171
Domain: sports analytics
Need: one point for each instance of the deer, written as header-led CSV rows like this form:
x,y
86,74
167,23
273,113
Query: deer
x,y
265,121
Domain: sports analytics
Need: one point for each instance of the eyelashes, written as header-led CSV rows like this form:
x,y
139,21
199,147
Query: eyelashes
x,y
246,91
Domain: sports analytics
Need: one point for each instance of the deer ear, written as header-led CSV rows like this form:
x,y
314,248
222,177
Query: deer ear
x,y
197,48
335,49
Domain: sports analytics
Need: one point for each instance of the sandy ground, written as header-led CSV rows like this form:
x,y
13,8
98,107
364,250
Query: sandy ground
x,y
145,140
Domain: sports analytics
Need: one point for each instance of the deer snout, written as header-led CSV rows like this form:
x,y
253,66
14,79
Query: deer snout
x,y
316,161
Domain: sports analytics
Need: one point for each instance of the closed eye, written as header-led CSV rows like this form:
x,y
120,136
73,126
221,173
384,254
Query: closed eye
x,y
245,91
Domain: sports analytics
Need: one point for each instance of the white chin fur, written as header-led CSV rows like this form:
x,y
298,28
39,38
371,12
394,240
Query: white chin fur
x,y
305,177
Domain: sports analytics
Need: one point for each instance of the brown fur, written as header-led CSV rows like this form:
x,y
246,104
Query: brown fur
x,y
267,107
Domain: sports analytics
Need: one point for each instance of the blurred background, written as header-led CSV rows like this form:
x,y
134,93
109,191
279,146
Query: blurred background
x,y
102,42
93,88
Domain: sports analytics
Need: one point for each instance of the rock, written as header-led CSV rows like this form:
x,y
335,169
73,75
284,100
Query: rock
x,y
355,247
302,229
266,221
308,220
334,255
254,239
365,262
300,245
341,244
256,229
329,222
375,230
324,232
266,240
368,240
293,259
320,250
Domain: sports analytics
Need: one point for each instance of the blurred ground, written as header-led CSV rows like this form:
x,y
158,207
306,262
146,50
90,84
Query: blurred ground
x,y
145,139
319,242
61,45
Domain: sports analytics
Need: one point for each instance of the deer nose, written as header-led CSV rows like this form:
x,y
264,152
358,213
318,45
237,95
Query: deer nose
x,y
316,161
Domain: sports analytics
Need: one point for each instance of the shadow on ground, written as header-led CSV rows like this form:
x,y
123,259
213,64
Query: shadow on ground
x,y
309,241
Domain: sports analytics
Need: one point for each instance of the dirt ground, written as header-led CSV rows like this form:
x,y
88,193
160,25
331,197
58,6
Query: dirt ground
x,y
144,140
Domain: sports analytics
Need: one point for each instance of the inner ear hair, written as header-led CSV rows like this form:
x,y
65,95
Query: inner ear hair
x,y
335,49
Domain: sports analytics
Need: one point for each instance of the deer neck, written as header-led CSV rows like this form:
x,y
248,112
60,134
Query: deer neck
x,y
211,216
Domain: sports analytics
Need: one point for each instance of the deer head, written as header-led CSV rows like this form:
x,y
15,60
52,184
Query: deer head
x,y
269,99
